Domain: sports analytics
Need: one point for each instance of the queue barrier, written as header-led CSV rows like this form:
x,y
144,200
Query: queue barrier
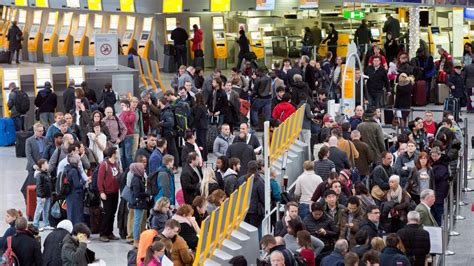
x,y
220,224
286,134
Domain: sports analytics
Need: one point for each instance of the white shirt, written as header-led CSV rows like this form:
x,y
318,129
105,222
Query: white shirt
x,y
306,184
102,140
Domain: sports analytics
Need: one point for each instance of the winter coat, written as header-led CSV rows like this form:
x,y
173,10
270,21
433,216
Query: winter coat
x,y
158,219
417,243
167,121
197,40
362,36
244,152
9,232
116,128
200,118
190,183
391,50
138,193
457,81
108,99
51,256
257,200
106,181
365,157
403,96
221,144
68,99
14,37
282,111
243,45
44,186
372,134
180,254
262,87
221,101
339,158
393,257
333,259
392,25
230,181
326,223
441,177
357,219
73,253
468,76
377,81
380,176
46,101
26,248
166,185
187,231
371,229
297,90
156,160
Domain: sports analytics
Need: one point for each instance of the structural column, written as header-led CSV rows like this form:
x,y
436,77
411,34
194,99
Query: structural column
x,y
414,29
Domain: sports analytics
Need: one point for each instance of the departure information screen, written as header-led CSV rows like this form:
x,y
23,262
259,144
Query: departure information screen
x,y
265,5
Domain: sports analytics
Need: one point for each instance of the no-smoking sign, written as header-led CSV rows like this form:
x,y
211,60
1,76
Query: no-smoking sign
x,y
105,49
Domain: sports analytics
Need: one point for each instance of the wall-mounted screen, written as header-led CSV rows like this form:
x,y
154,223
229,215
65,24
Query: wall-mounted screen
x,y
170,24
42,3
172,6
114,22
52,18
67,19
82,20
95,5
435,30
194,20
265,5
218,23
98,20
76,73
9,76
22,16
304,4
469,13
37,17
220,5
127,5
147,23
73,3
375,32
145,36
130,23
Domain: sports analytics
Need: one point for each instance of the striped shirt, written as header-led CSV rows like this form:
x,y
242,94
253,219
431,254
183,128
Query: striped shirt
x,y
324,167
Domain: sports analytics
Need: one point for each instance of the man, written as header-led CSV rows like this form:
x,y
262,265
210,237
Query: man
x,y
14,37
257,201
363,37
82,118
191,177
190,146
371,224
358,91
69,96
24,245
365,156
251,139
305,186
156,157
262,95
427,199
51,256
270,246
361,243
336,258
241,150
58,141
167,124
391,254
128,117
291,213
232,111
146,151
321,226
230,176
338,156
345,145
147,237
180,37
277,98
382,173
294,70
298,89
392,25
277,259
35,147
332,207
186,74
223,140
16,107
308,72
376,83
372,134
326,185
406,162
429,125
207,86
357,118
116,127
415,239
316,31
350,220
46,101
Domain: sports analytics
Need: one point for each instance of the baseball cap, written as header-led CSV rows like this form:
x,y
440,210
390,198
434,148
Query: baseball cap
x,y
327,118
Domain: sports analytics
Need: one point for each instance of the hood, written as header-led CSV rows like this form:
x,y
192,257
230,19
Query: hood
x,y
37,173
66,225
229,172
45,92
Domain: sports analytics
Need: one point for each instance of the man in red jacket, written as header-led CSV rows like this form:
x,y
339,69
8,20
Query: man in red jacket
x,y
284,109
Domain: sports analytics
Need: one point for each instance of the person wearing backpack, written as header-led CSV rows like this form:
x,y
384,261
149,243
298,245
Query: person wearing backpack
x,y
51,256
22,248
46,101
109,192
18,104
167,125
164,183
139,201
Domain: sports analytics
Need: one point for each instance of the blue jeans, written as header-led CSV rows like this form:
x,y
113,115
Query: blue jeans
x,y
303,210
19,122
126,151
42,207
46,119
375,99
257,105
437,210
137,220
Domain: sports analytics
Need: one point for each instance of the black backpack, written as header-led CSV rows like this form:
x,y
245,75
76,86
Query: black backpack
x,y
181,117
22,102
151,184
63,185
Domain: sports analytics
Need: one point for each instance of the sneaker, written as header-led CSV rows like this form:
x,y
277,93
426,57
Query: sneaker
x,y
104,239
49,228
41,229
112,237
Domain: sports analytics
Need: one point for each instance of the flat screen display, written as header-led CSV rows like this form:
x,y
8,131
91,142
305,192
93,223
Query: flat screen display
x,y
114,21
49,30
375,33
170,24
193,21
220,5
130,23
127,35
73,3
98,19
219,35
469,13
265,5
435,30
306,4
145,36
37,17
147,23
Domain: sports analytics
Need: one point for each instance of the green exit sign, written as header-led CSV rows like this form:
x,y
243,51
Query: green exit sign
x,y
356,14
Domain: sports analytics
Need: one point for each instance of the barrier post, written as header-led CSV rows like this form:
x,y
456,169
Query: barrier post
x,y
466,149
266,141
315,52
459,202
451,211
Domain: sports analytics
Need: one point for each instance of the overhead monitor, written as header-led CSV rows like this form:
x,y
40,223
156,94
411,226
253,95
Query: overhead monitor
x,y
82,20
67,19
145,36
308,4
127,5
114,22
42,3
375,32
37,17
73,3
98,20
52,18
435,30
218,23
220,5
172,6
170,24
147,23
469,13
42,75
130,23
22,16
76,73
194,21
127,35
95,5
265,5
21,2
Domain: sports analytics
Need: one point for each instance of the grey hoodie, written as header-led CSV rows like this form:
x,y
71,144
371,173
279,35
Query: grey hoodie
x,y
230,181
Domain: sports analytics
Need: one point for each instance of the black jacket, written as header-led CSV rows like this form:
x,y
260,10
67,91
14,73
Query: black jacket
x,y
262,87
26,248
326,223
417,243
244,152
108,99
221,101
393,257
179,36
440,170
187,148
331,38
339,159
243,45
291,73
457,81
68,99
46,101
138,193
378,80
167,121
362,36
190,183
297,90
200,117
43,185
309,77
73,252
14,37
403,96
371,229
257,200
51,247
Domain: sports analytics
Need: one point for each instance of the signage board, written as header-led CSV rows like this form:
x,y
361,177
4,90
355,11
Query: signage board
x,y
172,6
354,14
308,4
106,51
265,5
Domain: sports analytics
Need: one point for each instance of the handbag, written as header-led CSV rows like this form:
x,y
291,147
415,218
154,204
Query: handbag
x,y
127,195
355,175
56,210
377,192
91,197
199,53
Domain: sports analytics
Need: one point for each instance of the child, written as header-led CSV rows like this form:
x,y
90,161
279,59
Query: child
x,y
392,70
43,194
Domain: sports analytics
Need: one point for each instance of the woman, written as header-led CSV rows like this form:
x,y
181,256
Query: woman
x,y
197,39
189,228
90,95
391,47
324,166
366,200
377,244
244,48
209,183
200,209
383,60
403,94
440,175
108,97
154,254
200,123
198,78
308,42
291,242
97,143
10,218
160,214
307,252
139,201
420,177
215,200
467,56
331,40
419,134
75,199
97,119
286,65
146,119
395,205
138,128
217,102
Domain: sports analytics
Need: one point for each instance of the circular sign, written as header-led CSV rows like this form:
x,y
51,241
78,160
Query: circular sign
x,y
105,49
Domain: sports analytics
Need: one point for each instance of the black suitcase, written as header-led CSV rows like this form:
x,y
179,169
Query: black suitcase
x,y
199,62
5,57
21,137
96,214
451,104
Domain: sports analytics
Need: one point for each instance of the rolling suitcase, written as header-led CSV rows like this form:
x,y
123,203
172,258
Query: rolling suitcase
x,y
95,219
442,93
21,137
5,57
451,104
30,202
419,93
7,132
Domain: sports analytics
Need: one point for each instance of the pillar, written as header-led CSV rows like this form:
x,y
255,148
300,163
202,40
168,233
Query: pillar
x,y
414,28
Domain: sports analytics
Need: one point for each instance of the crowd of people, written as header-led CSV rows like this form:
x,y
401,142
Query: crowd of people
x,y
98,158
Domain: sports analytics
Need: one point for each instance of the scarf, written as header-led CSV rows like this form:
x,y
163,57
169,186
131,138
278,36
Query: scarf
x,y
395,195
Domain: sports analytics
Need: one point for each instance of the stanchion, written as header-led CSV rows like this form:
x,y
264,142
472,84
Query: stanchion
x,y
451,211
445,223
315,52
466,148
459,201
